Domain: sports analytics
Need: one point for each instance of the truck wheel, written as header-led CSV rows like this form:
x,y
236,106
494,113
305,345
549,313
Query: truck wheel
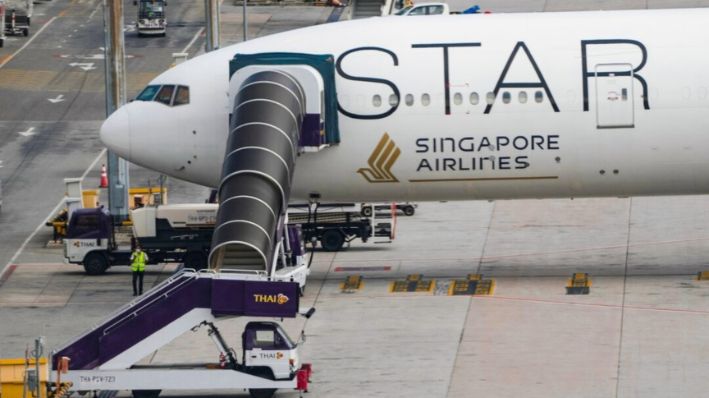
x,y
2,43
366,211
25,32
408,210
332,240
195,260
95,264
262,392
146,393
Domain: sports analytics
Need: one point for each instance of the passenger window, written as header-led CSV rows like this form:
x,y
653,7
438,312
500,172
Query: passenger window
x,y
148,93
474,98
165,95
458,99
409,99
393,100
506,97
182,97
425,99
539,97
377,100
435,10
522,97
490,98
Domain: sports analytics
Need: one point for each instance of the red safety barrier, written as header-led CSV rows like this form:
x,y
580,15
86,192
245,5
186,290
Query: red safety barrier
x,y
304,377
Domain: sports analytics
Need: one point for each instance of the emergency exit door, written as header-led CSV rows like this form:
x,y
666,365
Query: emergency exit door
x,y
615,107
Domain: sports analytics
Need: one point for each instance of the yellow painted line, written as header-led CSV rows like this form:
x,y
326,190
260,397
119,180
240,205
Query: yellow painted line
x,y
8,59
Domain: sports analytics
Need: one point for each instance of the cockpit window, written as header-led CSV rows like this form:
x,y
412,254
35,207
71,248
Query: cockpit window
x,y
148,93
183,96
165,95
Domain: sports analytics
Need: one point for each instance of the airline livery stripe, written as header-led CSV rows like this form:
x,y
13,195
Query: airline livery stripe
x,y
484,179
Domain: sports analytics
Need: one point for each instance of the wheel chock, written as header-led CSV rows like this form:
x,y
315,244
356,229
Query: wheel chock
x,y
580,283
351,284
472,285
413,283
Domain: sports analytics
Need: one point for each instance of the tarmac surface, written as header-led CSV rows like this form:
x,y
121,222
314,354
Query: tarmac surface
x,y
641,332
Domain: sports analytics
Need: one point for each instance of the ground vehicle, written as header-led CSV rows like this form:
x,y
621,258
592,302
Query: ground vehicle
x,y
16,16
106,357
425,9
335,224
2,18
151,17
179,233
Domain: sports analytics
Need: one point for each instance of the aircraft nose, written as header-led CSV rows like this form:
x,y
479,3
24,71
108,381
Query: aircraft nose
x,y
115,132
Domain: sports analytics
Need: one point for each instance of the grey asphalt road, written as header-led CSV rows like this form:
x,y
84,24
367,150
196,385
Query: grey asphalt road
x,y
42,141
59,139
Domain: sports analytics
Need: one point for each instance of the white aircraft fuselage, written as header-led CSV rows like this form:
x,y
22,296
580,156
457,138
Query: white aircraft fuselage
x,y
465,107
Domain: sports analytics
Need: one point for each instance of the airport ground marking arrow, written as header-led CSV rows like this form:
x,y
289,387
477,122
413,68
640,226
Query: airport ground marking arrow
x,y
87,66
27,133
60,98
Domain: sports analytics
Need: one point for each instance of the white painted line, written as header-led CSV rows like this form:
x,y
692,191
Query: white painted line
x,y
53,212
8,59
194,39
98,7
93,164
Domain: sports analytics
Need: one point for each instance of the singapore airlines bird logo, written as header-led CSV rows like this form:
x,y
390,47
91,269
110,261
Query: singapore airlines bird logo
x,y
381,160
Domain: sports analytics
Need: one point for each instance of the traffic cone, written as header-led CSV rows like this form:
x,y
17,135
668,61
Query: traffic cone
x,y
104,177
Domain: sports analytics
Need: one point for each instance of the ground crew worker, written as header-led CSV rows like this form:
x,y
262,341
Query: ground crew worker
x,y
138,259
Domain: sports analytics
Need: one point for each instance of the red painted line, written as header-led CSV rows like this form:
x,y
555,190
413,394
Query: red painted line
x,y
6,275
362,269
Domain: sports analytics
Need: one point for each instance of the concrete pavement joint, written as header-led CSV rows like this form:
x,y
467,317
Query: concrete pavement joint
x,y
622,308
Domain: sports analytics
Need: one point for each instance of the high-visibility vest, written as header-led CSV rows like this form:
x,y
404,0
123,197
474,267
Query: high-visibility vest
x,y
138,263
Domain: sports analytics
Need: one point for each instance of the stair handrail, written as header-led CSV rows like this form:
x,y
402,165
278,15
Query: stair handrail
x,y
124,307
240,271
142,306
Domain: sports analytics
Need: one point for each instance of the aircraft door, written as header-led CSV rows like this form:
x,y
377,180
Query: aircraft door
x,y
615,102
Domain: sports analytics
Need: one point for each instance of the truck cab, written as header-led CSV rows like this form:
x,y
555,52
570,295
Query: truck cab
x,y
151,17
269,352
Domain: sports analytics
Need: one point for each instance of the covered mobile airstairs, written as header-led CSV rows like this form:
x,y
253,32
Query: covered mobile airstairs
x,y
257,262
